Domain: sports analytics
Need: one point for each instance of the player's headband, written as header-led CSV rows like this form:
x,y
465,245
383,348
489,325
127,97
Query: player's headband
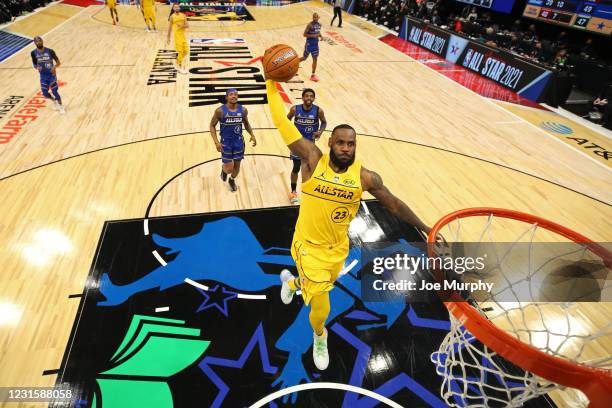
x,y
229,91
37,38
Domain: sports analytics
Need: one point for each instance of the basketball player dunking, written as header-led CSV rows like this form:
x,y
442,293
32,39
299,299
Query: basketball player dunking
x,y
307,119
332,185
313,35
231,115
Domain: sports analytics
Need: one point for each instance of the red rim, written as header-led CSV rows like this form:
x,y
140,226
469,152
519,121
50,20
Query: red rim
x,y
596,383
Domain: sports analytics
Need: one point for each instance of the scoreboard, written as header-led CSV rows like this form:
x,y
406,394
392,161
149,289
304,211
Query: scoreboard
x,y
591,15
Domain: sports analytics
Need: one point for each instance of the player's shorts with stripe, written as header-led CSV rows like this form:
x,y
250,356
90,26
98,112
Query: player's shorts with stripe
x,y
318,266
311,48
233,149
48,81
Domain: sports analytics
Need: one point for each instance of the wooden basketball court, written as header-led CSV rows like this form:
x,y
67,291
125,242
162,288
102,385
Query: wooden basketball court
x,y
131,146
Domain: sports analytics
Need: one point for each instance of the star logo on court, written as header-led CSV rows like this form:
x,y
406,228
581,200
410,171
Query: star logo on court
x,y
255,346
600,26
364,360
215,298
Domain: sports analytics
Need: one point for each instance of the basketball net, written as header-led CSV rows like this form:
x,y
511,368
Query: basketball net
x,y
503,350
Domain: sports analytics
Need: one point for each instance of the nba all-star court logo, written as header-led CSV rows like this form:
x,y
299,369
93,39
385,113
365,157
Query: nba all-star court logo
x,y
223,63
201,324
163,71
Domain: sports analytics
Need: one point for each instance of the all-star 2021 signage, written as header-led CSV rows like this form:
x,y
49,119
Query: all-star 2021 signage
x,y
224,63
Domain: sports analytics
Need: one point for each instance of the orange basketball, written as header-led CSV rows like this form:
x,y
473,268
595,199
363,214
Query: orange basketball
x,y
281,62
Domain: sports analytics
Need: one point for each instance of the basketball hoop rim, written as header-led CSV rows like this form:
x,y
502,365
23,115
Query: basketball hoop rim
x,y
596,383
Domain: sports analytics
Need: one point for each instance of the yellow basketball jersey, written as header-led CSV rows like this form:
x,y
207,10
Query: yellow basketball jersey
x,y
178,24
148,3
330,201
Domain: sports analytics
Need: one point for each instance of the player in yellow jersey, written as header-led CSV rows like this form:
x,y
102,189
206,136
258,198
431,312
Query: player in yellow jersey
x,y
178,24
332,185
112,6
148,11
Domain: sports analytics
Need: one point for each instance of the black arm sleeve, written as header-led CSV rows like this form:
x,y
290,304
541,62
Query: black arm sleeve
x,y
53,55
34,60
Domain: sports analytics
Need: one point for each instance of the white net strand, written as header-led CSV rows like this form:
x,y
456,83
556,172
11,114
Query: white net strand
x,y
475,376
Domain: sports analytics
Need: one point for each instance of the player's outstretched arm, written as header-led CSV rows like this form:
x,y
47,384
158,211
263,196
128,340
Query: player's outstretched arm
x,y
298,145
372,183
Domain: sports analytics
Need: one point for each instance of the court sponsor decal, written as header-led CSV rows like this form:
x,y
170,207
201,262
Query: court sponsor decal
x,y
557,128
580,141
8,104
163,71
26,114
341,40
592,147
329,41
223,64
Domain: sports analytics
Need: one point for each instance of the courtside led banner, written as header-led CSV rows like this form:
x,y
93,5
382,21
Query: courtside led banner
x,y
422,34
527,79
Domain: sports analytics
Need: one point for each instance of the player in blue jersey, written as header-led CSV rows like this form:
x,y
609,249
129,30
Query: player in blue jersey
x,y
232,116
310,120
45,61
313,35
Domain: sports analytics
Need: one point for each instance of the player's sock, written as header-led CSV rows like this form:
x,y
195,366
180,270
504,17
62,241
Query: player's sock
x,y
294,283
319,311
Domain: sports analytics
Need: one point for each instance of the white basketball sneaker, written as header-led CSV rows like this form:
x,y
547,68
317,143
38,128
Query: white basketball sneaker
x,y
62,110
56,105
320,355
286,292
